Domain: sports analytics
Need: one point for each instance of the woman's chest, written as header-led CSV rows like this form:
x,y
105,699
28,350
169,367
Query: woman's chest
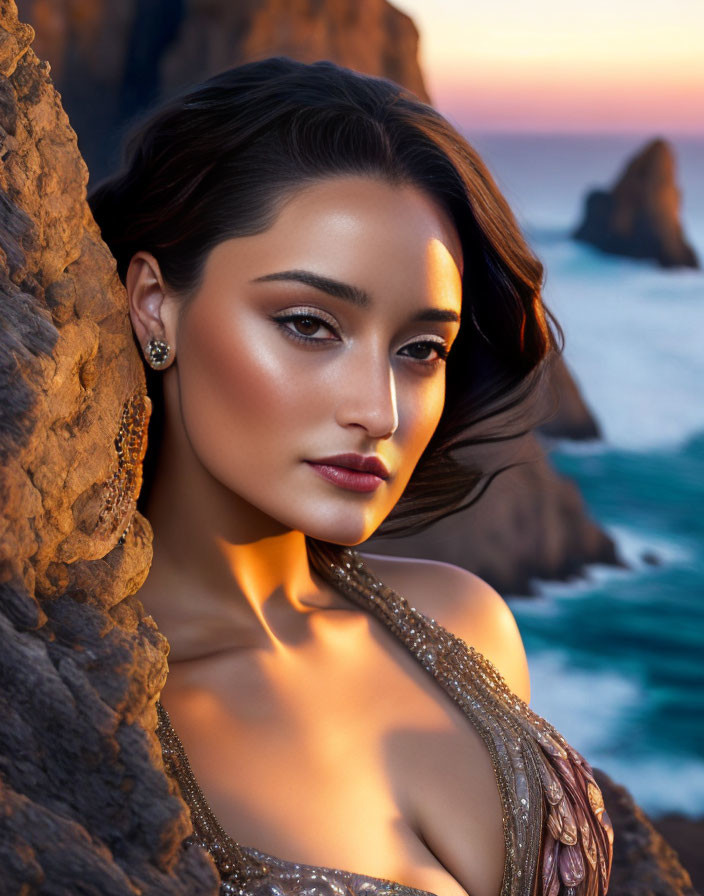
x,y
344,753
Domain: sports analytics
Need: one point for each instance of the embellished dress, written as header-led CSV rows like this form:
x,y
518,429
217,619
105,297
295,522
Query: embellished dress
x,y
558,835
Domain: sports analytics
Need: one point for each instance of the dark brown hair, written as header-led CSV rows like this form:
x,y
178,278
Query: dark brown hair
x,y
215,162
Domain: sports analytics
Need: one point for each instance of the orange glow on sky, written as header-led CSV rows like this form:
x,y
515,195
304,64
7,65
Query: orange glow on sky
x,y
598,66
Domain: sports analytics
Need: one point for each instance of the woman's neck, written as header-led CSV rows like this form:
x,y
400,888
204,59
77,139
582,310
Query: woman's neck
x,y
223,574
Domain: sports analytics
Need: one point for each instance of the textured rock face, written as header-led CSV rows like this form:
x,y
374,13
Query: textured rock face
x,y
644,863
173,44
640,216
372,37
83,793
84,802
110,60
686,835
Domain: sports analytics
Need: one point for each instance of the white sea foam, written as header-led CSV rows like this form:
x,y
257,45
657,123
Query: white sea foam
x,y
586,705
633,330
592,709
659,784
633,343
548,591
633,546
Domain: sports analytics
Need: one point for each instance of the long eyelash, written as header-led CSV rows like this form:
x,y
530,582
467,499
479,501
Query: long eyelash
x,y
442,350
282,321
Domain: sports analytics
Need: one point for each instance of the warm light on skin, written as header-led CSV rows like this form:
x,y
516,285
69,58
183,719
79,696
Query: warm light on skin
x,y
256,404
247,404
352,761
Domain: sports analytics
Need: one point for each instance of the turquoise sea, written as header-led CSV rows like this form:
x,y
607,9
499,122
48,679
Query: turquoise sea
x,y
617,658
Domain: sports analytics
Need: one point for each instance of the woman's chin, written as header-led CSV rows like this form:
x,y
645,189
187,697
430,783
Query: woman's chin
x,y
343,535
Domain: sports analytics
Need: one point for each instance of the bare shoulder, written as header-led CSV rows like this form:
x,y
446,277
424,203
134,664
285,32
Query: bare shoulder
x,y
464,604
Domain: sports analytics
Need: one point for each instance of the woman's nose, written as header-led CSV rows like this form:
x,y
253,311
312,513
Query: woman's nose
x,y
368,397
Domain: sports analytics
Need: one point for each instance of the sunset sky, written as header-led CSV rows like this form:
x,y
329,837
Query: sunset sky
x,y
565,65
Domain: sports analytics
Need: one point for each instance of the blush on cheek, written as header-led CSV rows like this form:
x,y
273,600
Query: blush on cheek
x,y
426,412
244,403
419,415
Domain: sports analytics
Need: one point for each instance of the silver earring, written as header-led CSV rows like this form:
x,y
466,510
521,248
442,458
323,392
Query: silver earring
x,y
157,352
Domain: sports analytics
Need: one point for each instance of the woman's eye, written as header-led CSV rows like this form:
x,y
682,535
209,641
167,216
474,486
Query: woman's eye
x,y
429,346
307,326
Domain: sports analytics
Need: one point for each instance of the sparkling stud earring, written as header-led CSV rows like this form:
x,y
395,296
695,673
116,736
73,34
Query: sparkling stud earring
x,y
157,353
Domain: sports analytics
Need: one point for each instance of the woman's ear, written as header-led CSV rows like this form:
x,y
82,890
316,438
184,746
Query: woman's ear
x,y
150,305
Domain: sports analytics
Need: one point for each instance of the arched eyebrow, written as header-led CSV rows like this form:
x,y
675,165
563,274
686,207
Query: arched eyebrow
x,y
353,294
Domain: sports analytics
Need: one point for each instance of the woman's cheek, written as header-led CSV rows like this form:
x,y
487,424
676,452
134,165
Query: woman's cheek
x,y
419,413
233,390
425,412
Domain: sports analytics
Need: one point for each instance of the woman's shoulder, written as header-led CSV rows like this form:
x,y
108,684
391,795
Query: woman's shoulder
x,y
464,604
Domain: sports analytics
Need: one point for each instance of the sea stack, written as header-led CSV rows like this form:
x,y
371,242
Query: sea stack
x,y
640,216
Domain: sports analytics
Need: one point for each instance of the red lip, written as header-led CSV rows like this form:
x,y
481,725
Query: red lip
x,y
356,462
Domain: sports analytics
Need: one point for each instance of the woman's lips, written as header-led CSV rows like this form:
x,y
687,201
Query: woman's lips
x,y
346,478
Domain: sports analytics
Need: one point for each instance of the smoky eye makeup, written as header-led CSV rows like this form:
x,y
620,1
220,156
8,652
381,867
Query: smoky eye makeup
x,y
315,320
305,317
409,349
438,345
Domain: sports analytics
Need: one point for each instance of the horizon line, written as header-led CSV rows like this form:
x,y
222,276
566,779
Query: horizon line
x,y
646,133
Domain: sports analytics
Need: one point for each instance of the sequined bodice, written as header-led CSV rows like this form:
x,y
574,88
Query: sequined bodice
x,y
558,835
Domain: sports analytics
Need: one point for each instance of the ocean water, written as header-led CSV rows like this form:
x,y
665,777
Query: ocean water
x,y
617,658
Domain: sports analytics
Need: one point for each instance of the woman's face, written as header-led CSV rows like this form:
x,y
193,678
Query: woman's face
x,y
322,336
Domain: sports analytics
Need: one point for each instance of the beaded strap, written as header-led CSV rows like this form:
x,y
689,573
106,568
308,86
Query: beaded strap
x,y
558,835
234,867
555,822
245,871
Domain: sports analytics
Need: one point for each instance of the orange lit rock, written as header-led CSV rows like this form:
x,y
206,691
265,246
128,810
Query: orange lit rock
x,y
110,60
84,802
80,665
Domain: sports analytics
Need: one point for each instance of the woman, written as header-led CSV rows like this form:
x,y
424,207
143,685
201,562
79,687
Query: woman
x,y
330,291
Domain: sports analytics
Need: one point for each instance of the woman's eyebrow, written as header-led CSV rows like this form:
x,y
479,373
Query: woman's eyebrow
x,y
333,287
437,314
353,294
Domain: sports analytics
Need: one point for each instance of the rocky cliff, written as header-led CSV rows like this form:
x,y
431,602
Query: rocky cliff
x,y
644,863
168,46
111,60
85,805
639,216
568,415
84,802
